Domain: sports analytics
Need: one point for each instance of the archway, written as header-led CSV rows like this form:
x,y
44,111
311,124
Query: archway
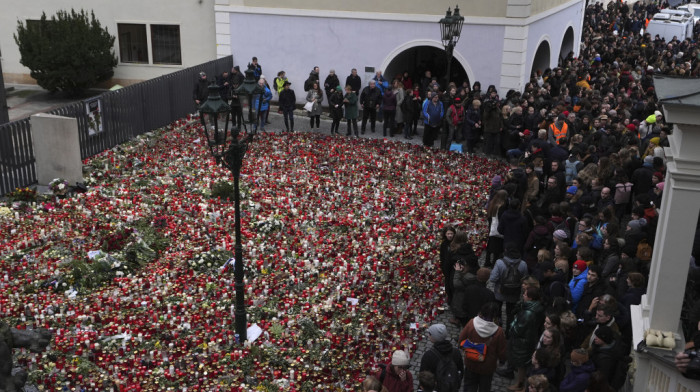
x,y
542,58
418,56
567,44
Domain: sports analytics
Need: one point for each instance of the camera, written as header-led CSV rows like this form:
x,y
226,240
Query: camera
x,y
693,369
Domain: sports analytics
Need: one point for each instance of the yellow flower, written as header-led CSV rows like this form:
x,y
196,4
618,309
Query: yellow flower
x,y
5,211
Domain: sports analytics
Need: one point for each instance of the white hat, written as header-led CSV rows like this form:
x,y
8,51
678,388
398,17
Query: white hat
x,y
263,77
400,358
658,114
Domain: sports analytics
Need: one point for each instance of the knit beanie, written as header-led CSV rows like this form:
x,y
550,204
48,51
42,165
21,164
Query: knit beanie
x,y
400,358
651,119
605,334
560,235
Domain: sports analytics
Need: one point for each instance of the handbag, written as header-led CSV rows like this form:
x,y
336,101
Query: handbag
x,y
475,352
309,106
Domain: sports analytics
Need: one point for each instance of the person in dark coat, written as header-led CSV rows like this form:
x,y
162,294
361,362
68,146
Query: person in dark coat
x,y
642,178
477,294
472,126
637,288
594,288
580,373
331,83
236,79
513,225
389,109
370,100
335,100
446,266
351,110
524,334
441,348
200,92
287,103
607,355
354,81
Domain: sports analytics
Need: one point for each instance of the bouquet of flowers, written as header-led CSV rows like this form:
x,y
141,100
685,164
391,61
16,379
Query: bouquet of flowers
x,y
58,186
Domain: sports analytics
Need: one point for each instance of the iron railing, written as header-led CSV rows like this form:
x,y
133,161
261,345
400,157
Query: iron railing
x,y
123,114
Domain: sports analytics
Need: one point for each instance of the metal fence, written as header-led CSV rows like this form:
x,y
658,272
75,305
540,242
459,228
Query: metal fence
x,y
121,115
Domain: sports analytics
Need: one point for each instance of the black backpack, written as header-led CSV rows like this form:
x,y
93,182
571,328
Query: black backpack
x,y
512,279
447,376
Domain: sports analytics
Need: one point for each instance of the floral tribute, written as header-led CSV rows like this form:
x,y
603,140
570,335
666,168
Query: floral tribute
x,y
340,250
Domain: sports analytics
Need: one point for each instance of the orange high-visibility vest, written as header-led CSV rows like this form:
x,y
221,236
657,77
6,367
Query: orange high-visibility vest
x,y
559,133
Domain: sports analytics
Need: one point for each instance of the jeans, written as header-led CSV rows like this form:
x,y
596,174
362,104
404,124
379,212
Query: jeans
x,y
370,113
474,382
288,115
354,126
262,117
389,121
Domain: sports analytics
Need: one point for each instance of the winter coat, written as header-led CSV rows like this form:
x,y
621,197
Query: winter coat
x,y
200,91
491,117
351,110
330,84
309,82
589,293
432,113
476,295
540,238
355,82
461,280
513,225
388,101
266,98
466,254
576,286
393,383
318,96
400,96
471,118
370,97
606,359
499,271
443,349
287,100
336,98
577,379
525,333
477,331
633,296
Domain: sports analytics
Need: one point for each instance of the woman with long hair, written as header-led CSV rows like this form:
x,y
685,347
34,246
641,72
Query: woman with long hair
x,y
315,96
448,233
494,246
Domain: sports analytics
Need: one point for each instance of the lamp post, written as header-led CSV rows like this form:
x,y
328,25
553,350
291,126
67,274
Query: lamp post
x,y
228,150
451,28
246,91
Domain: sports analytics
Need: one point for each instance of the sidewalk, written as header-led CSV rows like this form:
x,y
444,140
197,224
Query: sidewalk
x,y
23,100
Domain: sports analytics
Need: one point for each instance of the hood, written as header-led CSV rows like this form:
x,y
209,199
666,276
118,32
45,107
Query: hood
x,y
484,328
444,347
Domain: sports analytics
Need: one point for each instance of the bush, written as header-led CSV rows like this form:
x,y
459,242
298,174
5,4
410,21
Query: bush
x,y
69,52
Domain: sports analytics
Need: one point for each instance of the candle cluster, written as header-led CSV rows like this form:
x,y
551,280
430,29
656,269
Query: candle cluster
x,y
340,249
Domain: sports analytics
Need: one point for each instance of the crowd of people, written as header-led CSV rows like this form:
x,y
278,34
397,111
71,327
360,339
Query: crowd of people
x,y
572,222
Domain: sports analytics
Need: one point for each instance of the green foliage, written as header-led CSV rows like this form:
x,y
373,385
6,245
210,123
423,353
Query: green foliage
x,y
223,190
69,52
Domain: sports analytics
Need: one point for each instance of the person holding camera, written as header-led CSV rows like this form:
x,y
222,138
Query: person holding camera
x,y
688,361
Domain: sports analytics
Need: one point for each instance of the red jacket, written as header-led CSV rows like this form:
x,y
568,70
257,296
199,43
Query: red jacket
x,y
393,383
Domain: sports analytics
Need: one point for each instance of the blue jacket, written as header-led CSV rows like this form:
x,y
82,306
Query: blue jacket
x,y
576,285
577,379
267,96
432,114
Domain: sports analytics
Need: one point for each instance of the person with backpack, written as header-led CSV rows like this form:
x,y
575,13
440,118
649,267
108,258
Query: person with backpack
x,y
483,330
395,376
507,275
443,360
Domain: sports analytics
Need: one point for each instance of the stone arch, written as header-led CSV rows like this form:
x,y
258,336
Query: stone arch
x,y
389,66
567,44
543,56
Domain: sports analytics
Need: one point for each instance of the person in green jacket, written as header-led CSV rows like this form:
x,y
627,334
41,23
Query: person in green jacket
x,y
524,334
351,110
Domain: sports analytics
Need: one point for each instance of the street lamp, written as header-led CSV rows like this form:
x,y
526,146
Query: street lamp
x,y
451,28
228,150
246,91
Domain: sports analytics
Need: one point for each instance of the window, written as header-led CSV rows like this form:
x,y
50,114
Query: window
x,y
165,40
136,41
133,47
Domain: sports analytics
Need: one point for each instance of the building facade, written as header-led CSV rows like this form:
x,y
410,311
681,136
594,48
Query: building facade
x,y
502,41
153,38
